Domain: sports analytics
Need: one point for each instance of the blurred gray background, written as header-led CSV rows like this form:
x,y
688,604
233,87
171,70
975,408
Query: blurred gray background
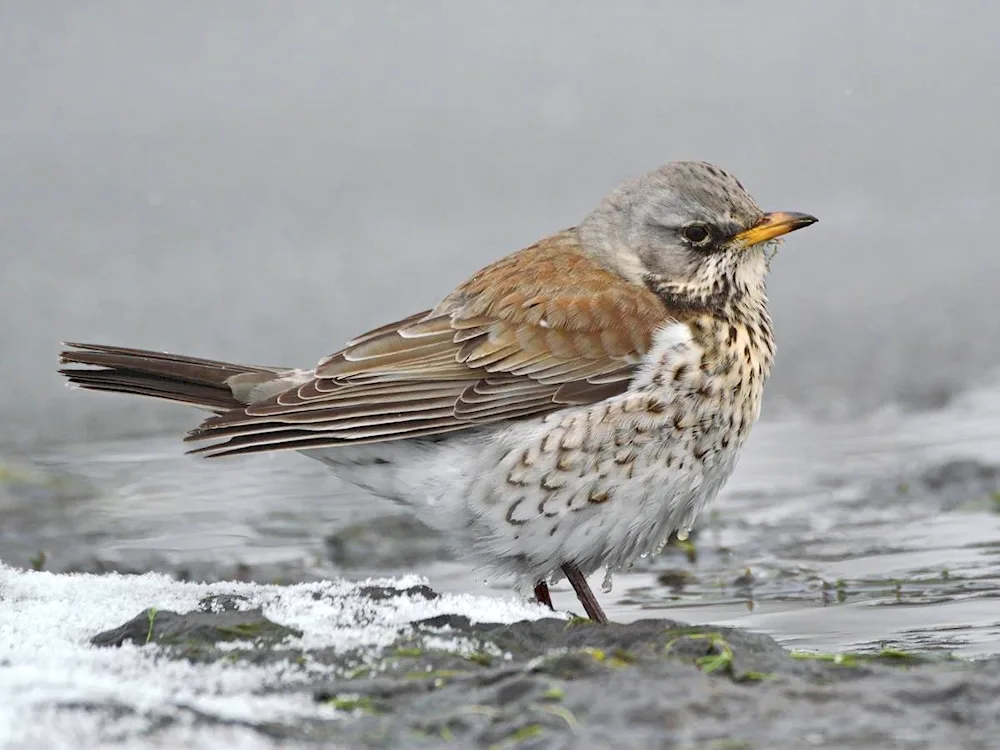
x,y
262,180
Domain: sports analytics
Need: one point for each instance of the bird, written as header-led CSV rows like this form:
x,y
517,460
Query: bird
x,y
568,407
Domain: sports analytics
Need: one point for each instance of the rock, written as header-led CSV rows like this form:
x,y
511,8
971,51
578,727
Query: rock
x,y
381,593
216,620
555,683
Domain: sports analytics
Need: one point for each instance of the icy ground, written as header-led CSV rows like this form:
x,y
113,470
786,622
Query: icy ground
x,y
58,690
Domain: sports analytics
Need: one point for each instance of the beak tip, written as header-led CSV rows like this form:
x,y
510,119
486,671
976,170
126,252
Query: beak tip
x,y
797,220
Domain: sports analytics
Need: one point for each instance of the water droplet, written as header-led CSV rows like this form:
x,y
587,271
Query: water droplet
x,y
608,583
682,534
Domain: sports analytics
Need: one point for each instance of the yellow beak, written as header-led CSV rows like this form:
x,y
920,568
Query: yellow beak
x,y
774,225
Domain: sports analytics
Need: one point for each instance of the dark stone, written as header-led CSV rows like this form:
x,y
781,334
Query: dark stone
x,y
381,593
197,628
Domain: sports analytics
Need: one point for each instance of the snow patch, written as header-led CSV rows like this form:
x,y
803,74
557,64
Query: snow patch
x,y
51,677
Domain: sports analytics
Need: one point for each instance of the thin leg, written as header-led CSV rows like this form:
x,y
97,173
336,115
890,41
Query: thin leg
x,y
590,604
542,594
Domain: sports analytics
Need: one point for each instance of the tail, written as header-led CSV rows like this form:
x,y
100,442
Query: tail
x,y
205,383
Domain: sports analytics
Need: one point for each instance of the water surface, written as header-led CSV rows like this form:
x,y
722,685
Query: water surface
x,y
238,181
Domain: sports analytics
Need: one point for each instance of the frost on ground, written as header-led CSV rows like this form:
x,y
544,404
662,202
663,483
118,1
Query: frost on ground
x,y
59,689
145,661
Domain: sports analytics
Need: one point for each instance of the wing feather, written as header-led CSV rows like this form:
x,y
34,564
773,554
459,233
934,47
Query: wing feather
x,y
540,329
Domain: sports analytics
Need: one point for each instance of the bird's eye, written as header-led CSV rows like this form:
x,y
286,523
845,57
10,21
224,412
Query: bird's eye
x,y
696,234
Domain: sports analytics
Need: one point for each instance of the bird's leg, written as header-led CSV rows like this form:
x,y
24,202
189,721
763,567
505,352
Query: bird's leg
x,y
590,604
542,595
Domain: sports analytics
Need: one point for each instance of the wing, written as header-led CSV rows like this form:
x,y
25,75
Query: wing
x,y
541,329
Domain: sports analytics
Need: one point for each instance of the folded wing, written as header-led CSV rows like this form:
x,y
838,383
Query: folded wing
x,y
539,330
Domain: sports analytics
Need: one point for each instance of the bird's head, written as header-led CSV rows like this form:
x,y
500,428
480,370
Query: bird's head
x,y
688,229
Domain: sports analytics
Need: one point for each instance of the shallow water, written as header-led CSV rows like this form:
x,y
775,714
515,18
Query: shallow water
x,y
261,187
850,535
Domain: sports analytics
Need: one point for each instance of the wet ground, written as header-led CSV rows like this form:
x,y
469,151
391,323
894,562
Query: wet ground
x,y
853,535
846,586
145,661
262,186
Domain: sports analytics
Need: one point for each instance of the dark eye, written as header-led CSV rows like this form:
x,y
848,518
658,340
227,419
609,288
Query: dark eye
x,y
696,234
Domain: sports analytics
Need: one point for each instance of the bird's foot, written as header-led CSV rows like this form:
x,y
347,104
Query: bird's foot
x,y
579,582
542,595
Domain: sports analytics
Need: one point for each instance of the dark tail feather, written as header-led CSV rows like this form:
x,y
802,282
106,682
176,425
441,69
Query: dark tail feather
x,y
188,380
